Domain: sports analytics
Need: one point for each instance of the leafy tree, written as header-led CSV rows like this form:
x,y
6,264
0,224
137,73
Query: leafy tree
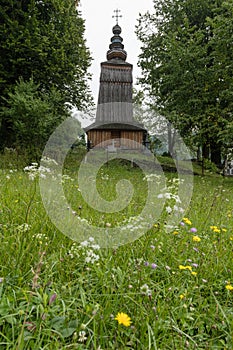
x,y
33,115
43,40
180,71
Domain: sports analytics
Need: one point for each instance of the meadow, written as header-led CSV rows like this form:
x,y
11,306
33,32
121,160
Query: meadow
x,y
168,289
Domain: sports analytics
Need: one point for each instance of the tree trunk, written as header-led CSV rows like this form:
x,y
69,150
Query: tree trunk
x,y
6,135
215,149
171,139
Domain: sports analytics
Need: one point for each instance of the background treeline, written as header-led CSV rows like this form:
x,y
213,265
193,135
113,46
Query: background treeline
x,y
187,64
43,69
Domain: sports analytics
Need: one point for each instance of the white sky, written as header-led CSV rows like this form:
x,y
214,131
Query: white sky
x,y
99,23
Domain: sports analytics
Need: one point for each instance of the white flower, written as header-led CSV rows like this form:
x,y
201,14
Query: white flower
x,y
84,244
145,290
82,336
168,210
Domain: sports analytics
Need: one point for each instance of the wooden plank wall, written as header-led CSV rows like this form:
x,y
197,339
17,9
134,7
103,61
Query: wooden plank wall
x,y
129,139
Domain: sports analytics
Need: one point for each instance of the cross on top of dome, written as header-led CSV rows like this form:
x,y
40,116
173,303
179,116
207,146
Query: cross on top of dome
x,y
116,48
117,16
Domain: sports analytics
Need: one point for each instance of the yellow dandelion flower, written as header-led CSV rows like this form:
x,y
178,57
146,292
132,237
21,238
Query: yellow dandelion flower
x,y
231,238
187,221
216,230
189,268
196,239
224,230
182,296
182,267
229,287
213,227
229,215
175,233
123,318
194,273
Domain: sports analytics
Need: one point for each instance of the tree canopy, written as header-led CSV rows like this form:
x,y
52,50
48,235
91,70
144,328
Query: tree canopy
x,y
187,67
42,41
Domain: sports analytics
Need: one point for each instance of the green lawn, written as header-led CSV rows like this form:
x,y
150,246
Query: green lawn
x,y
175,285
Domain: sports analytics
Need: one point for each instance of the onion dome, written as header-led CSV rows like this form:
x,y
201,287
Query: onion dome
x,y
116,48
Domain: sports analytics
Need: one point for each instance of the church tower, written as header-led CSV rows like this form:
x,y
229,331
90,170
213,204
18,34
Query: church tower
x,y
114,125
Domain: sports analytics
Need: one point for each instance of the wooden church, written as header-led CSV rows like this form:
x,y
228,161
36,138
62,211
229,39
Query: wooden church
x,y
114,126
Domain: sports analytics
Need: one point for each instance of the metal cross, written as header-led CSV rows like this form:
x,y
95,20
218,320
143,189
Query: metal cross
x,y
117,11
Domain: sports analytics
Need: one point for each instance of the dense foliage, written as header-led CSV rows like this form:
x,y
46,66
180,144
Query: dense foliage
x,y
43,64
187,69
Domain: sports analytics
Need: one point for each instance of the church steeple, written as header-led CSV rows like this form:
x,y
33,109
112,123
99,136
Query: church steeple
x,y
116,48
114,115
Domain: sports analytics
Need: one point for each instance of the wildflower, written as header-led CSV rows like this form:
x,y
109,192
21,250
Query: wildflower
x,y
193,229
52,298
1,279
224,230
123,318
187,267
145,290
187,221
153,266
175,232
195,265
146,263
194,273
196,239
24,227
91,257
84,244
168,210
229,287
215,229
182,296
82,336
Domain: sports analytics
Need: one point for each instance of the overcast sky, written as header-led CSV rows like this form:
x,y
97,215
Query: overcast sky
x,y
99,23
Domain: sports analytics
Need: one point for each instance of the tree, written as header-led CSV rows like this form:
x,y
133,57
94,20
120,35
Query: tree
x,y
43,41
180,71
33,115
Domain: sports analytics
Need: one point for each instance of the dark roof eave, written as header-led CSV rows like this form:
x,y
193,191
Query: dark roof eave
x,y
115,126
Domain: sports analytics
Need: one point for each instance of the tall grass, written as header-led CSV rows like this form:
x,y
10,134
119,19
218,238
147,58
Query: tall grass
x,y
175,286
